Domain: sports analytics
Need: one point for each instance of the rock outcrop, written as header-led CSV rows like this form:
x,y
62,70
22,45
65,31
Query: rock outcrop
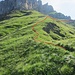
x,y
8,5
47,8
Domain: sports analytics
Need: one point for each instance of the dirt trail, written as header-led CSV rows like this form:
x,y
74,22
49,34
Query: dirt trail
x,y
37,34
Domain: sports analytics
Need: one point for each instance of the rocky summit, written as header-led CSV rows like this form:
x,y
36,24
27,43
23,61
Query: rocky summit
x,y
8,5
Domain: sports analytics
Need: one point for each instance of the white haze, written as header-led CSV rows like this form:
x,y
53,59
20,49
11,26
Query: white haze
x,y
66,7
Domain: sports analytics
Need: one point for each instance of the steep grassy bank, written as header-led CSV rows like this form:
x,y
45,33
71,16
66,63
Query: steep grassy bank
x,y
21,55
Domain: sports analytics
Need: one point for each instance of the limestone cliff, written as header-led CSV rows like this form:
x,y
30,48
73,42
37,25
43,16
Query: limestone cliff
x,y
47,8
8,5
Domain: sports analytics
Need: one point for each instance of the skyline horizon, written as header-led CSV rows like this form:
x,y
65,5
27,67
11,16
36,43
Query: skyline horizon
x,y
65,7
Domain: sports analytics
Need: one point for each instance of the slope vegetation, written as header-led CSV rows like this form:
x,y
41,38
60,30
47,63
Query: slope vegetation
x,y
25,48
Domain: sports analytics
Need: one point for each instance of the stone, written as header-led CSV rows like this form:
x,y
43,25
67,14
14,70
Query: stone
x,y
6,6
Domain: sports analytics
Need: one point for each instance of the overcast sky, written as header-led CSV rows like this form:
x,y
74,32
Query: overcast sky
x,y
67,7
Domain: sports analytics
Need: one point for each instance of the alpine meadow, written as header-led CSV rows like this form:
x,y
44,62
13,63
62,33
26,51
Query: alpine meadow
x,y
35,39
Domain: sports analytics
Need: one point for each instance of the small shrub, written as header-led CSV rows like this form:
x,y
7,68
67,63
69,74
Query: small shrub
x,y
66,70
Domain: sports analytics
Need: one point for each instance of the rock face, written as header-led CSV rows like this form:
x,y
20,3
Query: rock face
x,y
47,8
26,4
8,5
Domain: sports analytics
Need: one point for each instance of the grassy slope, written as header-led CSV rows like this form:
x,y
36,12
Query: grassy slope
x,y
21,55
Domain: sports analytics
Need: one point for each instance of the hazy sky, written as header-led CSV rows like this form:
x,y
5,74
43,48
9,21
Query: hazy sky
x,y
67,7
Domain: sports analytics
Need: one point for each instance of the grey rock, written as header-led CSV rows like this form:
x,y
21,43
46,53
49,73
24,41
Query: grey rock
x,y
7,6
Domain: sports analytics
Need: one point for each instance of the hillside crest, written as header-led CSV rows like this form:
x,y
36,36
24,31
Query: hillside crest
x,y
8,5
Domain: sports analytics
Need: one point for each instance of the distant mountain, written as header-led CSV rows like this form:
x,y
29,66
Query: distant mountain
x,y
6,6
59,15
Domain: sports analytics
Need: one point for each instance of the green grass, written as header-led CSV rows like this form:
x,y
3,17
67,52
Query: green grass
x,y
26,57
21,55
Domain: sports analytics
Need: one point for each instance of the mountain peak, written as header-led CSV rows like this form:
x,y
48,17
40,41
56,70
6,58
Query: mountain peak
x,y
7,6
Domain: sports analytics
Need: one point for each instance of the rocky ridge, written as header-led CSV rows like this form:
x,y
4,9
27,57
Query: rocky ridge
x,y
8,5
